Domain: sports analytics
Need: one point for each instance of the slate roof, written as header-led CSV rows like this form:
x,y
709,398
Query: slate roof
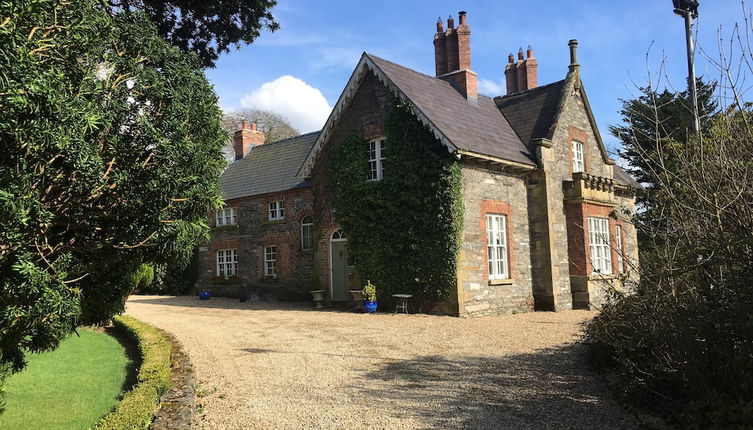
x,y
532,113
623,178
267,168
479,128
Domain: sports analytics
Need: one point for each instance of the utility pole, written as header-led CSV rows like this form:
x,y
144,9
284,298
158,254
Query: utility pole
x,y
688,9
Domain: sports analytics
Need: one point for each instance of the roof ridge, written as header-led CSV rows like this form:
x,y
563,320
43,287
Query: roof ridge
x,y
531,89
419,73
275,142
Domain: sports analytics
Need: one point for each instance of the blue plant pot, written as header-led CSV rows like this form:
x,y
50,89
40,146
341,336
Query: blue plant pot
x,y
205,295
369,307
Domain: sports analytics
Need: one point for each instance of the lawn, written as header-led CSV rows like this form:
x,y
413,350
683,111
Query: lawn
x,y
69,388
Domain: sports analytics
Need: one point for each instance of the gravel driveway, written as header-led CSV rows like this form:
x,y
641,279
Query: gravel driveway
x,y
285,366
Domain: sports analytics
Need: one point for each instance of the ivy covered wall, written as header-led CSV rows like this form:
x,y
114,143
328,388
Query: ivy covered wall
x,y
404,231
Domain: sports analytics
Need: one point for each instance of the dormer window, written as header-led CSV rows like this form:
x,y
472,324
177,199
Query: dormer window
x,y
376,159
578,164
276,211
227,216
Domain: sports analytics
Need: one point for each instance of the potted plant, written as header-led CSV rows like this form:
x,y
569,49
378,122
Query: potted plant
x,y
369,304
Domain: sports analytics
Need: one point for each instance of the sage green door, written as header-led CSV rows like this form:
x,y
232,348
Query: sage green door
x,y
339,258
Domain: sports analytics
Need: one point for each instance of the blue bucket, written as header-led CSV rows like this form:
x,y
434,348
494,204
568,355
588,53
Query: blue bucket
x,y
205,295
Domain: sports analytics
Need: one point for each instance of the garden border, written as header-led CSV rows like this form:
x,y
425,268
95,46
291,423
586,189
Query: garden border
x,y
136,409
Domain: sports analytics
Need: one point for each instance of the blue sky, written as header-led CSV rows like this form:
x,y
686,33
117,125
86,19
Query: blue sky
x,y
300,70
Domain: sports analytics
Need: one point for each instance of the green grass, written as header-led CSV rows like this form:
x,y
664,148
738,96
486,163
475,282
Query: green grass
x,y
69,388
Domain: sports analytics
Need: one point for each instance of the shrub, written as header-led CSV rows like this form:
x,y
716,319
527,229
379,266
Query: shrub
x,y
136,410
682,345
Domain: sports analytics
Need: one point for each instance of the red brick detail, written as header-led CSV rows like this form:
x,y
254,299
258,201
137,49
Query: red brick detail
x,y
371,131
497,208
216,245
574,133
579,250
246,138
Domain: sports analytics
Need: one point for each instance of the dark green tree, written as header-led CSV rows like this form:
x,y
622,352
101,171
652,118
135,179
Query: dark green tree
x,y
206,28
111,149
652,120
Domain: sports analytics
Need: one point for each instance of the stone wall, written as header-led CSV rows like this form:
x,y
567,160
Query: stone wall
x,y
493,189
253,232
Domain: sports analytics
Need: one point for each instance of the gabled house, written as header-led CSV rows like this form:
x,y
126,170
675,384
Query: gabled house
x,y
543,203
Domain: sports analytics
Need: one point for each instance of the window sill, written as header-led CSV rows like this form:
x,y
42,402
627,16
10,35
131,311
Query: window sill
x,y
225,227
274,221
603,276
500,281
228,280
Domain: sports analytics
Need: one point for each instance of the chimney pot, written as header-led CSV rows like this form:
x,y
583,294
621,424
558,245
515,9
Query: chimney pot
x,y
246,138
529,52
452,53
573,44
440,25
511,58
520,54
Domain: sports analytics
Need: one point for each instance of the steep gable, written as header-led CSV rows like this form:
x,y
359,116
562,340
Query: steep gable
x,y
470,128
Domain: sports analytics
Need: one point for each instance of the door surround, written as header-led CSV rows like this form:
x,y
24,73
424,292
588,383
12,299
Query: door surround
x,y
337,236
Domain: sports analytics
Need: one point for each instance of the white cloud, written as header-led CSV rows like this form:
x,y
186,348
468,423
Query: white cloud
x,y
303,105
490,88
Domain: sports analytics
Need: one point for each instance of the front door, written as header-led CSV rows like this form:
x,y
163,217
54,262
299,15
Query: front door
x,y
339,258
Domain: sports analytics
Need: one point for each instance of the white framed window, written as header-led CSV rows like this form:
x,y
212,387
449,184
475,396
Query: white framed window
x,y
578,164
620,251
601,254
276,211
227,262
226,216
270,261
496,240
377,148
307,233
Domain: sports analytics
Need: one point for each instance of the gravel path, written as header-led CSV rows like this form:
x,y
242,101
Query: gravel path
x,y
285,366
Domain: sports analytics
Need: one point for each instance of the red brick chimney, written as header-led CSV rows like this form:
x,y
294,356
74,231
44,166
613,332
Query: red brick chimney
x,y
453,57
522,75
246,138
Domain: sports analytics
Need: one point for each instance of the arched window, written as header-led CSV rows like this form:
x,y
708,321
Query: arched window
x,y
307,233
339,234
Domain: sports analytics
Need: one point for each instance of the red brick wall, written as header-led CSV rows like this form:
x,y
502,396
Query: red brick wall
x,y
578,236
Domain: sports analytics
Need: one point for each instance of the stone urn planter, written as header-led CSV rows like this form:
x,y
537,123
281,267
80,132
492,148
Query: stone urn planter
x,y
318,297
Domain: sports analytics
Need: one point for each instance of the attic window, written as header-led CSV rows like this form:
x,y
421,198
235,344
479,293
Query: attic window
x,y
577,156
377,148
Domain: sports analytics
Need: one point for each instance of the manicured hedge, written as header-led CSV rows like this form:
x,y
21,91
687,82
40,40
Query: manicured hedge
x,y
136,410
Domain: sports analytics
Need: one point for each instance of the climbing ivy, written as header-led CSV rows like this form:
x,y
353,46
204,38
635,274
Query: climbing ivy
x,y
403,231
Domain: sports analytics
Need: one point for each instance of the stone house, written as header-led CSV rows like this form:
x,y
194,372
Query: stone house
x,y
539,190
